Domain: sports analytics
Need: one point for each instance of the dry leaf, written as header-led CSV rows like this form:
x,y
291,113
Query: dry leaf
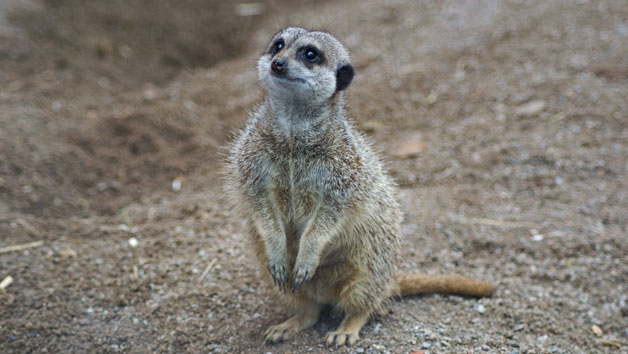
x,y
597,330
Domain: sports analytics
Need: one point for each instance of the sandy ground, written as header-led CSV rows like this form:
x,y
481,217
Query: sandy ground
x,y
505,124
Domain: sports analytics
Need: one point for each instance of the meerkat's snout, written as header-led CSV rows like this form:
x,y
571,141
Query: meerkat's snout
x,y
278,66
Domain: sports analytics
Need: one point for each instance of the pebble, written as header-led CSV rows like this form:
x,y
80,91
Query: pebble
x,y
176,185
426,345
481,308
359,350
410,149
519,327
67,252
530,108
133,242
377,327
537,237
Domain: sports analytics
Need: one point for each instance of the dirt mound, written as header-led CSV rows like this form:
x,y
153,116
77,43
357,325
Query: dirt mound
x,y
84,68
129,42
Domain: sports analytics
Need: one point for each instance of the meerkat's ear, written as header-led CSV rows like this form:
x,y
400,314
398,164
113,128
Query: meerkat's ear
x,y
344,75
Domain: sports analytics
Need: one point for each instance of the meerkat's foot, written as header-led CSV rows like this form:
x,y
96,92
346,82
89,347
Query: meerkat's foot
x,y
279,333
305,319
348,332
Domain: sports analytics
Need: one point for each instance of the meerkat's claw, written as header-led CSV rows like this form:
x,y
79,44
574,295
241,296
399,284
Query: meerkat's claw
x,y
340,339
279,276
300,276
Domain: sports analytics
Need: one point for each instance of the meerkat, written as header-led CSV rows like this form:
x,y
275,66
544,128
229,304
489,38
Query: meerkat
x,y
323,214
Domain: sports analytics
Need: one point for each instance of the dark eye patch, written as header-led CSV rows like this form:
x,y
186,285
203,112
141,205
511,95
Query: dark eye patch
x,y
277,46
310,55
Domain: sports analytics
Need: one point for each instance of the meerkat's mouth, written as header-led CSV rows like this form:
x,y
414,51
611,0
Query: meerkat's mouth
x,y
286,78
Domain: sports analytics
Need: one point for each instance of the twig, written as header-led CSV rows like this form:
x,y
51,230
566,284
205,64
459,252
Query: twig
x,y
494,222
209,267
6,282
610,342
21,247
30,228
136,272
7,298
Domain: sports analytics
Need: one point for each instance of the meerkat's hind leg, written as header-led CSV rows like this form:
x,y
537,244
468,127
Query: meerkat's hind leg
x,y
349,330
305,318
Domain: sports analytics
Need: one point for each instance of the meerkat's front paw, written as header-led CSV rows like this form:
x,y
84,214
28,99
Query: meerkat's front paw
x,y
301,275
280,275
341,338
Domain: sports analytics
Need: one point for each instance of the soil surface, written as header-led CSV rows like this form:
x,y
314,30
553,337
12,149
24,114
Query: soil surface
x,y
505,124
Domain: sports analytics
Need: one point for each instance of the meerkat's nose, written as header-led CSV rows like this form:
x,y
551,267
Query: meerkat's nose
x,y
278,66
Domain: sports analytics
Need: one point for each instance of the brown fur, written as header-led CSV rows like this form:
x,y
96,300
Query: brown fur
x,y
323,212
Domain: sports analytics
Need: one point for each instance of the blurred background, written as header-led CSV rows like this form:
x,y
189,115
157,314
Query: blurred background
x,y
504,123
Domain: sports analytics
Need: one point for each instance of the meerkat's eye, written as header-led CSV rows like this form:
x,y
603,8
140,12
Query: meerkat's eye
x,y
311,55
278,46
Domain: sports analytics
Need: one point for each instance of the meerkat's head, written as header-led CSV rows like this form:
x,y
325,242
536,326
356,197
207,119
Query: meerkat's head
x,y
304,65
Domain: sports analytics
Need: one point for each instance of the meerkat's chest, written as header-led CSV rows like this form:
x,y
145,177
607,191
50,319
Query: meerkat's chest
x,y
296,188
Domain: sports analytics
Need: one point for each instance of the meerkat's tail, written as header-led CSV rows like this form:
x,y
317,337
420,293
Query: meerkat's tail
x,y
415,284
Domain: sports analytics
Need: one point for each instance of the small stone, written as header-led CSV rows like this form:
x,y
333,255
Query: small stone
x,y
432,97
410,149
359,350
537,237
149,94
481,308
426,345
67,252
530,108
176,185
133,242
377,327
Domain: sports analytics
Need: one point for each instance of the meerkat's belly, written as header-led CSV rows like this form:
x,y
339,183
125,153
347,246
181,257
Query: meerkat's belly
x,y
296,201
296,194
